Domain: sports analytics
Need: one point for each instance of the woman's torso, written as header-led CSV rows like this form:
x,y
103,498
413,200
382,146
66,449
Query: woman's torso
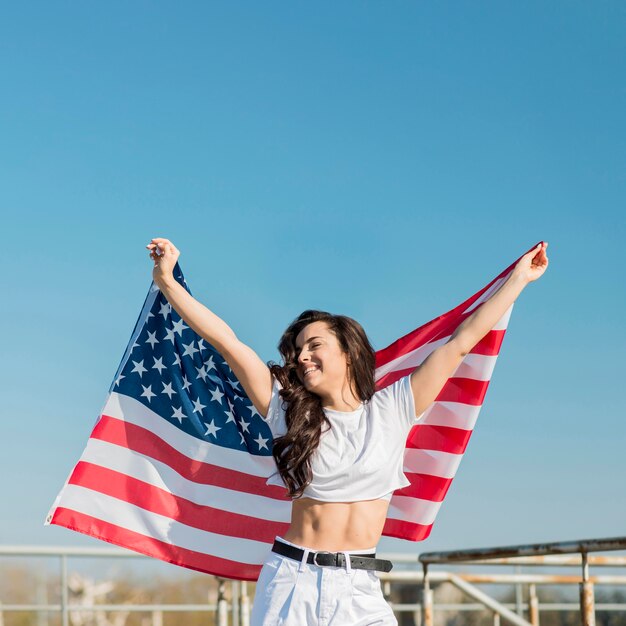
x,y
358,462
335,526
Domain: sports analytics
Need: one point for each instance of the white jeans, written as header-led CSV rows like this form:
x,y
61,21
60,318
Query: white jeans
x,y
293,593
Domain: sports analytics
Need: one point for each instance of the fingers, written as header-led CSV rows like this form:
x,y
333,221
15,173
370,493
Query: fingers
x,y
159,246
539,256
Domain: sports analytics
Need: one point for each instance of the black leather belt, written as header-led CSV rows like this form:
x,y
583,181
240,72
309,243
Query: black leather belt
x,y
333,559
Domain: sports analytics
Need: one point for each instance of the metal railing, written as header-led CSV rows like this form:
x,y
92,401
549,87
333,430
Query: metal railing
x,y
233,602
532,554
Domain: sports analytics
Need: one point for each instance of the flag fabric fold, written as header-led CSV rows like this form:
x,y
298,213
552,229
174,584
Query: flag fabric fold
x,y
177,464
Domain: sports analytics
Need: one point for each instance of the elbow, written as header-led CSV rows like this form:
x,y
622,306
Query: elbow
x,y
460,347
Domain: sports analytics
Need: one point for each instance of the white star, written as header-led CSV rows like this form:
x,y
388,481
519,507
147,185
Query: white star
x,y
135,345
139,368
169,334
233,383
186,383
253,411
211,429
244,425
165,309
243,441
118,380
189,350
210,364
201,373
147,392
261,442
201,345
217,395
150,314
231,417
168,390
176,359
179,415
197,407
158,365
152,339
179,326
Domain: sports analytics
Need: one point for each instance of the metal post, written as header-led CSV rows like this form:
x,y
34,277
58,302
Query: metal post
x,y
244,601
427,600
42,598
222,603
496,619
234,599
64,591
533,605
587,611
519,606
157,618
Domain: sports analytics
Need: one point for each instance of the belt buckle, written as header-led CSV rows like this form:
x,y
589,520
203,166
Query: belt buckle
x,y
315,557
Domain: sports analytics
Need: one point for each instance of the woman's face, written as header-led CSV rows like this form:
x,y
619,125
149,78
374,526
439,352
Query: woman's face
x,y
322,365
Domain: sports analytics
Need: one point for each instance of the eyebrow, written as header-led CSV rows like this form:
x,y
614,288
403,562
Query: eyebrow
x,y
308,340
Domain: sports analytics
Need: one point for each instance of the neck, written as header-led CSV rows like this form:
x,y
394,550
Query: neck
x,y
344,399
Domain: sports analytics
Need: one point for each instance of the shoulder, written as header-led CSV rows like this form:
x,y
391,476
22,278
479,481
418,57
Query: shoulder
x,y
397,399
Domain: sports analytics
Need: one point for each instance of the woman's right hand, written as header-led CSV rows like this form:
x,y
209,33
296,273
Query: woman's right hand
x,y
165,255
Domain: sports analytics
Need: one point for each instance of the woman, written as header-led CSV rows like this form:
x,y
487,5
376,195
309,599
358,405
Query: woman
x,y
338,444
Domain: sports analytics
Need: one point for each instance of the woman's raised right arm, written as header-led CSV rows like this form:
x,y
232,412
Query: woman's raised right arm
x,y
253,374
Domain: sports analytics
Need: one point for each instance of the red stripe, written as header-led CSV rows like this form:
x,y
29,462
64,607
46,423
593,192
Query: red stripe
x,y
489,345
156,500
145,442
406,530
125,538
441,438
425,487
463,390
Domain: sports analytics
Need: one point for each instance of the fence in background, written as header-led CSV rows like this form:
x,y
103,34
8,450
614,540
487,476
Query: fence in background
x,y
231,607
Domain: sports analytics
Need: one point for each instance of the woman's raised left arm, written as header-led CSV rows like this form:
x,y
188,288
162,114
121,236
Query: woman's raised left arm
x,y
428,379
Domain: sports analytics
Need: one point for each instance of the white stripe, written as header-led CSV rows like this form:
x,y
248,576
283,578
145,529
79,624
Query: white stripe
x,y
432,462
452,414
410,359
477,366
413,510
134,412
136,519
125,461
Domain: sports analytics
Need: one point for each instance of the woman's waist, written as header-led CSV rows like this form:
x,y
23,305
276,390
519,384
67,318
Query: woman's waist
x,y
336,526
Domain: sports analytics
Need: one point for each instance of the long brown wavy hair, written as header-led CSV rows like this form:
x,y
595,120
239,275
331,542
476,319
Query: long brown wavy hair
x,y
304,415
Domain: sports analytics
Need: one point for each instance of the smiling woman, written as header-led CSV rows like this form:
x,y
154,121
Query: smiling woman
x,y
340,361
337,442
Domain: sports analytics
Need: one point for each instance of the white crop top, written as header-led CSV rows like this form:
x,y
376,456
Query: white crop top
x,y
362,456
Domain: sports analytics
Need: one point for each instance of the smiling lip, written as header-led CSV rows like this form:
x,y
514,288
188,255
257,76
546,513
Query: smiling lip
x,y
304,375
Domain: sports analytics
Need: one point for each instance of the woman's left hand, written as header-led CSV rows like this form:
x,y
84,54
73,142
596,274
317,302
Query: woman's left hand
x,y
533,264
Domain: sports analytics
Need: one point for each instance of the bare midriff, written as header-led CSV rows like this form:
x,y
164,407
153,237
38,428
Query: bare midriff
x,y
335,526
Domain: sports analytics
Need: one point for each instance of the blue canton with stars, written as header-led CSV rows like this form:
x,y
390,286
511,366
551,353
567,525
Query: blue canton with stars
x,y
178,375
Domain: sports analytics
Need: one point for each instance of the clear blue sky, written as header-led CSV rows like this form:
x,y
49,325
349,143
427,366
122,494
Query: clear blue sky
x,y
380,160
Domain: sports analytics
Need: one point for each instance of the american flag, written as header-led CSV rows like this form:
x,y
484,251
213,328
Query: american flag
x,y
177,464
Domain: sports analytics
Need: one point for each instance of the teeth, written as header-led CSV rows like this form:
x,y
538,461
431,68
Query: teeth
x,y
310,369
